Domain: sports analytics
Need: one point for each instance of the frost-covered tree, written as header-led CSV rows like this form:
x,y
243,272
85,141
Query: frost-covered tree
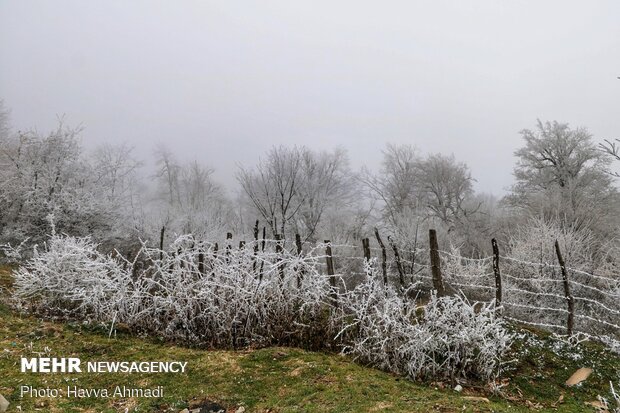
x,y
188,200
115,171
436,186
47,174
561,173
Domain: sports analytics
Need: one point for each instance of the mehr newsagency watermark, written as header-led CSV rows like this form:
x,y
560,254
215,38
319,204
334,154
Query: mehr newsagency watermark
x,y
51,365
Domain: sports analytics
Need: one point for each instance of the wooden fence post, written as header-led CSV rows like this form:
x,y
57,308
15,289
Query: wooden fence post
x,y
179,251
399,266
366,248
255,247
228,244
498,276
436,263
171,266
201,258
330,269
569,298
279,256
298,243
415,249
300,271
383,257
262,262
161,243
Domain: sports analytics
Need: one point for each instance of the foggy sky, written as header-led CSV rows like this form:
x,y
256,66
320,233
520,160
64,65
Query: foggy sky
x,y
223,81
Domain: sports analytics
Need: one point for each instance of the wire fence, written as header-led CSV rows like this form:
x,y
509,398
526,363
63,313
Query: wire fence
x,y
550,296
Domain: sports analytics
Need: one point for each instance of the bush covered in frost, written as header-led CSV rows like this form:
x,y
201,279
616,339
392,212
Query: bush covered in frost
x,y
70,277
449,337
234,297
195,295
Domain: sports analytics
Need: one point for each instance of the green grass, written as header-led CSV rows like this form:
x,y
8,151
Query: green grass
x,y
281,379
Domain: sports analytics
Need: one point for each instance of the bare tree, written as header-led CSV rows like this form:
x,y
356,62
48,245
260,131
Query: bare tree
x,y
444,186
435,186
168,171
114,168
327,183
612,148
294,187
192,201
273,188
395,185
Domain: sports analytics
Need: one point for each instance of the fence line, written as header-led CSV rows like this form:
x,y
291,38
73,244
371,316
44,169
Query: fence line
x,y
526,292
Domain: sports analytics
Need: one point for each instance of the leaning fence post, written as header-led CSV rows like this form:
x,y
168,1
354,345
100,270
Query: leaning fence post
x,y
498,276
383,257
435,263
330,269
399,265
569,298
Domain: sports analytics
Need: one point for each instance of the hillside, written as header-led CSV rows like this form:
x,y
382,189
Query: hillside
x,y
285,379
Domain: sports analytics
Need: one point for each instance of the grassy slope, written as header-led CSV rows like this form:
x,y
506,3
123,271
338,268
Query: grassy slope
x,y
277,379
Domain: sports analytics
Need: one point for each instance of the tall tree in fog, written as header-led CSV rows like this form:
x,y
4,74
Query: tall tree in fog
x,y
435,186
444,187
190,199
395,184
167,173
115,168
327,183
560,173
274,186
292,187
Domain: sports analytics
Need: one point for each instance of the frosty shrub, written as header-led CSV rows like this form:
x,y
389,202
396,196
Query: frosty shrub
x,y
236,297
613,405
69,277
447,338
240,298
